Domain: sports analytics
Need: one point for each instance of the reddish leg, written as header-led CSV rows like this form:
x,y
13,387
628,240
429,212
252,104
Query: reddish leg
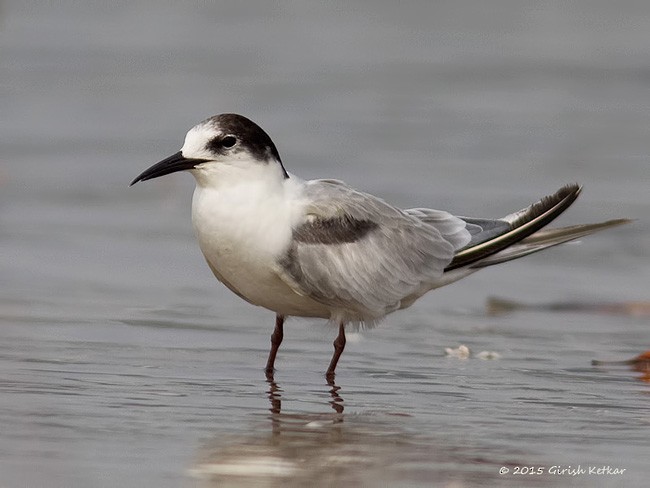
x,y
276,340
339,345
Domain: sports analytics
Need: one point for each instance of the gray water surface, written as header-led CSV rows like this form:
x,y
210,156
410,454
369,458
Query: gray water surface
x,y
125,363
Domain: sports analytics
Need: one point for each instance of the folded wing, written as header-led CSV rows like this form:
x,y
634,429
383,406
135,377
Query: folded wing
x,y
364,256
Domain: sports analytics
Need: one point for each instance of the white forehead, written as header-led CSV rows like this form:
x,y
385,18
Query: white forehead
x,y
197,139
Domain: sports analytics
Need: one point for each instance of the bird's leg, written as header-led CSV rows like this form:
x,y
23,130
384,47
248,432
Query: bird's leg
x,y
276,340
339,345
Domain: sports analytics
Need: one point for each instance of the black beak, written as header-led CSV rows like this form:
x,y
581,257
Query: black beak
x,y
175,162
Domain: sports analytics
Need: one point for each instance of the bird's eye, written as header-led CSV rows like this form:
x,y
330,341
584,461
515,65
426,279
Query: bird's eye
x,y
229,141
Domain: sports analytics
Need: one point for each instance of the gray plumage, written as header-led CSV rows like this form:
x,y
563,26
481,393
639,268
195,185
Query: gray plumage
x,y
369,258
368,277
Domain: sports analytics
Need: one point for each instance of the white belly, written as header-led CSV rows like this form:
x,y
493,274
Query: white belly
x,y
242,237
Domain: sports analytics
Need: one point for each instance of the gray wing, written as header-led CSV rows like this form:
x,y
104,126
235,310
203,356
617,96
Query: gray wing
x,y
479,229
361,256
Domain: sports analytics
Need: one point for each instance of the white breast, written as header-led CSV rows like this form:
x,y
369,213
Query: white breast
x,y
243,230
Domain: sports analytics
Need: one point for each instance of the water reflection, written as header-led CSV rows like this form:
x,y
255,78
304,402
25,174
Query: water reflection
x,y
337,400
321,449
275,395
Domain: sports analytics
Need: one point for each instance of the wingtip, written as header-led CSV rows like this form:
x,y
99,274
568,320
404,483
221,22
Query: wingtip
x,y
558,201
523,223
573,189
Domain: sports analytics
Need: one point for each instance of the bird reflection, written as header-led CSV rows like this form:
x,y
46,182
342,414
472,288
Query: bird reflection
x,y
337,400
299,448
319,449
274,394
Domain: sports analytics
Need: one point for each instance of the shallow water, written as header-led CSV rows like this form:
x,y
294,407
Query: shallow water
x,y
124,363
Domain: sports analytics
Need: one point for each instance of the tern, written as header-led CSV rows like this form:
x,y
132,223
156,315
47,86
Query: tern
x,y
320,248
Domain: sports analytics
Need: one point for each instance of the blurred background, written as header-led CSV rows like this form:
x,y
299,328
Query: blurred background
x,y
122,357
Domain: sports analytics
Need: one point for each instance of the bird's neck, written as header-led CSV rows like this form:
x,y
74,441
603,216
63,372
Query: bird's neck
x,y
253,215
265,177
233,198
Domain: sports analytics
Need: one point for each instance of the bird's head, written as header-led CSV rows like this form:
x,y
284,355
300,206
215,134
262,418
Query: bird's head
x,y
223,144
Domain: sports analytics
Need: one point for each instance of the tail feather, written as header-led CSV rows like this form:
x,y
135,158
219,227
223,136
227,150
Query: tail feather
x,y
522,224
544,239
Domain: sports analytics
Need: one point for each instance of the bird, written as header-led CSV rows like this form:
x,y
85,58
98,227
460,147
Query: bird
x,y
320,248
